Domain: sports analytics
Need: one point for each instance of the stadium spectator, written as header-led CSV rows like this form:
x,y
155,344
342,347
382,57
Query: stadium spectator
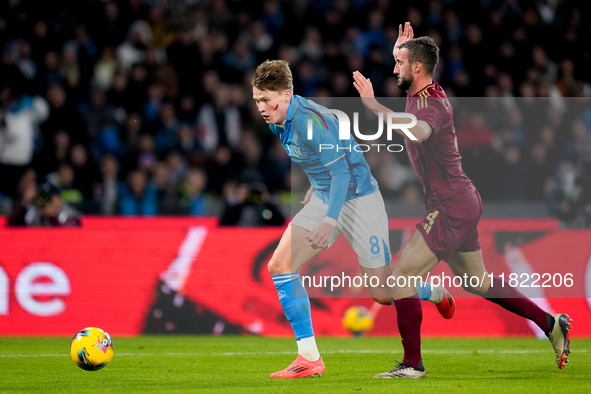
x,y
570,188
42,40
276,167
63,180
111,25
22,57
188,146
133,50
62,116
250,205
120,94
185,57
238,61
178,167
166,189
165,128
106,189
53,153
85,171
27,182
223,167
219,123
97,110
105,69
513,174
43,206
192,199
186,109
142,155
20,115
138,196
251,151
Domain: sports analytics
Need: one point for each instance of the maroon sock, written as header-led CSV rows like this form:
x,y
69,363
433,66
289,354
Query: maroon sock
x,y
410,316
514,301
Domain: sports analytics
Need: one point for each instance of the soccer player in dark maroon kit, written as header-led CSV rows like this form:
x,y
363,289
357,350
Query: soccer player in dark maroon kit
x,y
449,229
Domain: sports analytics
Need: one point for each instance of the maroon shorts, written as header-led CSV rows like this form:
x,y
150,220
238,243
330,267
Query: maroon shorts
x,y
451,226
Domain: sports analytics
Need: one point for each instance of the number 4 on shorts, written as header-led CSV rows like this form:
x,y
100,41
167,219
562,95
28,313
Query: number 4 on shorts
x,y
431,218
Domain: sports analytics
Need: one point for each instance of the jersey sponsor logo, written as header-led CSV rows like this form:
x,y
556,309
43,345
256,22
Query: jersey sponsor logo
x,y
374,248
294,150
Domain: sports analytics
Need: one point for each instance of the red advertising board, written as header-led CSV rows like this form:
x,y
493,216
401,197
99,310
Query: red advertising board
x,y
185,275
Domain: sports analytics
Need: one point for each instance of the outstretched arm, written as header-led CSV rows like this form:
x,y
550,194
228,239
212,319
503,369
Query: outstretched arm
x,y
321,236
421,131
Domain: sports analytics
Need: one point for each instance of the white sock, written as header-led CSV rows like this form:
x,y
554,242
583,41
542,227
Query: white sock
x,y
436,294
307,348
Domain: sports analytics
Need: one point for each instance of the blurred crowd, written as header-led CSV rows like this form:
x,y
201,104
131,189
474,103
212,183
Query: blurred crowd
x,y
143,107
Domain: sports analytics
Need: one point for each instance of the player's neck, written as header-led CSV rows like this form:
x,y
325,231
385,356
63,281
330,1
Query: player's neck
x,y
419,84
281,123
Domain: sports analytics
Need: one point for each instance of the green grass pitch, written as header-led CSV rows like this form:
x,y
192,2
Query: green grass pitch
x,y
235,364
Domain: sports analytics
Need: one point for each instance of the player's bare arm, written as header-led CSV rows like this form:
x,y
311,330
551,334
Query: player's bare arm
x,y
421,131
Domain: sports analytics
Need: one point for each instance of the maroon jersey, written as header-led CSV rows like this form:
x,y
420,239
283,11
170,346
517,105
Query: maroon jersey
x,y
437,161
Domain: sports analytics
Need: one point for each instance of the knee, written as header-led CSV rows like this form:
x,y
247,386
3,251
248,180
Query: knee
x,y
475,290
277,267
480,290
402,272
384,301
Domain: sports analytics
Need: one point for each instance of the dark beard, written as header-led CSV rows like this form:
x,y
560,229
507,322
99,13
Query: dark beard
x,y
404,84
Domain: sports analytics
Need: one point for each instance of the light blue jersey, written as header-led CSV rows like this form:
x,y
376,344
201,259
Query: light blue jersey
x,y
337,175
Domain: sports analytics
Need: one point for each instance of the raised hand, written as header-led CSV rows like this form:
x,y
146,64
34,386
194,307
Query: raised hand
x,y
403,36
365,89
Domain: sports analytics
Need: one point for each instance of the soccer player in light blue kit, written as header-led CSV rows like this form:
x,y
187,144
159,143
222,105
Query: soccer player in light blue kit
x,y
343,198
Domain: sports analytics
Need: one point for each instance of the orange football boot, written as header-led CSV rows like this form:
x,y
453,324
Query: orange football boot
x,y
301,368
447,306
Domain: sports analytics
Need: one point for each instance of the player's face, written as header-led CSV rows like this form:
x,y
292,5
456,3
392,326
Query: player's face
x,y
272,106
403,70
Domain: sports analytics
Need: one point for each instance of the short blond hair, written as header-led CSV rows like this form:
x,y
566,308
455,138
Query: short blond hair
x,y
273,76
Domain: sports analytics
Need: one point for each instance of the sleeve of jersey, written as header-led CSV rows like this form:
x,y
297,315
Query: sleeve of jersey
x,y
339,185
431,112
325,144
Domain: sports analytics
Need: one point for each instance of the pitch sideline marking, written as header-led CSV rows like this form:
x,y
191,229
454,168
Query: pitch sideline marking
x,y
489,351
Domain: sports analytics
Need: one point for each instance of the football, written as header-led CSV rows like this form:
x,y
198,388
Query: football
x,y
357,320
91,348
